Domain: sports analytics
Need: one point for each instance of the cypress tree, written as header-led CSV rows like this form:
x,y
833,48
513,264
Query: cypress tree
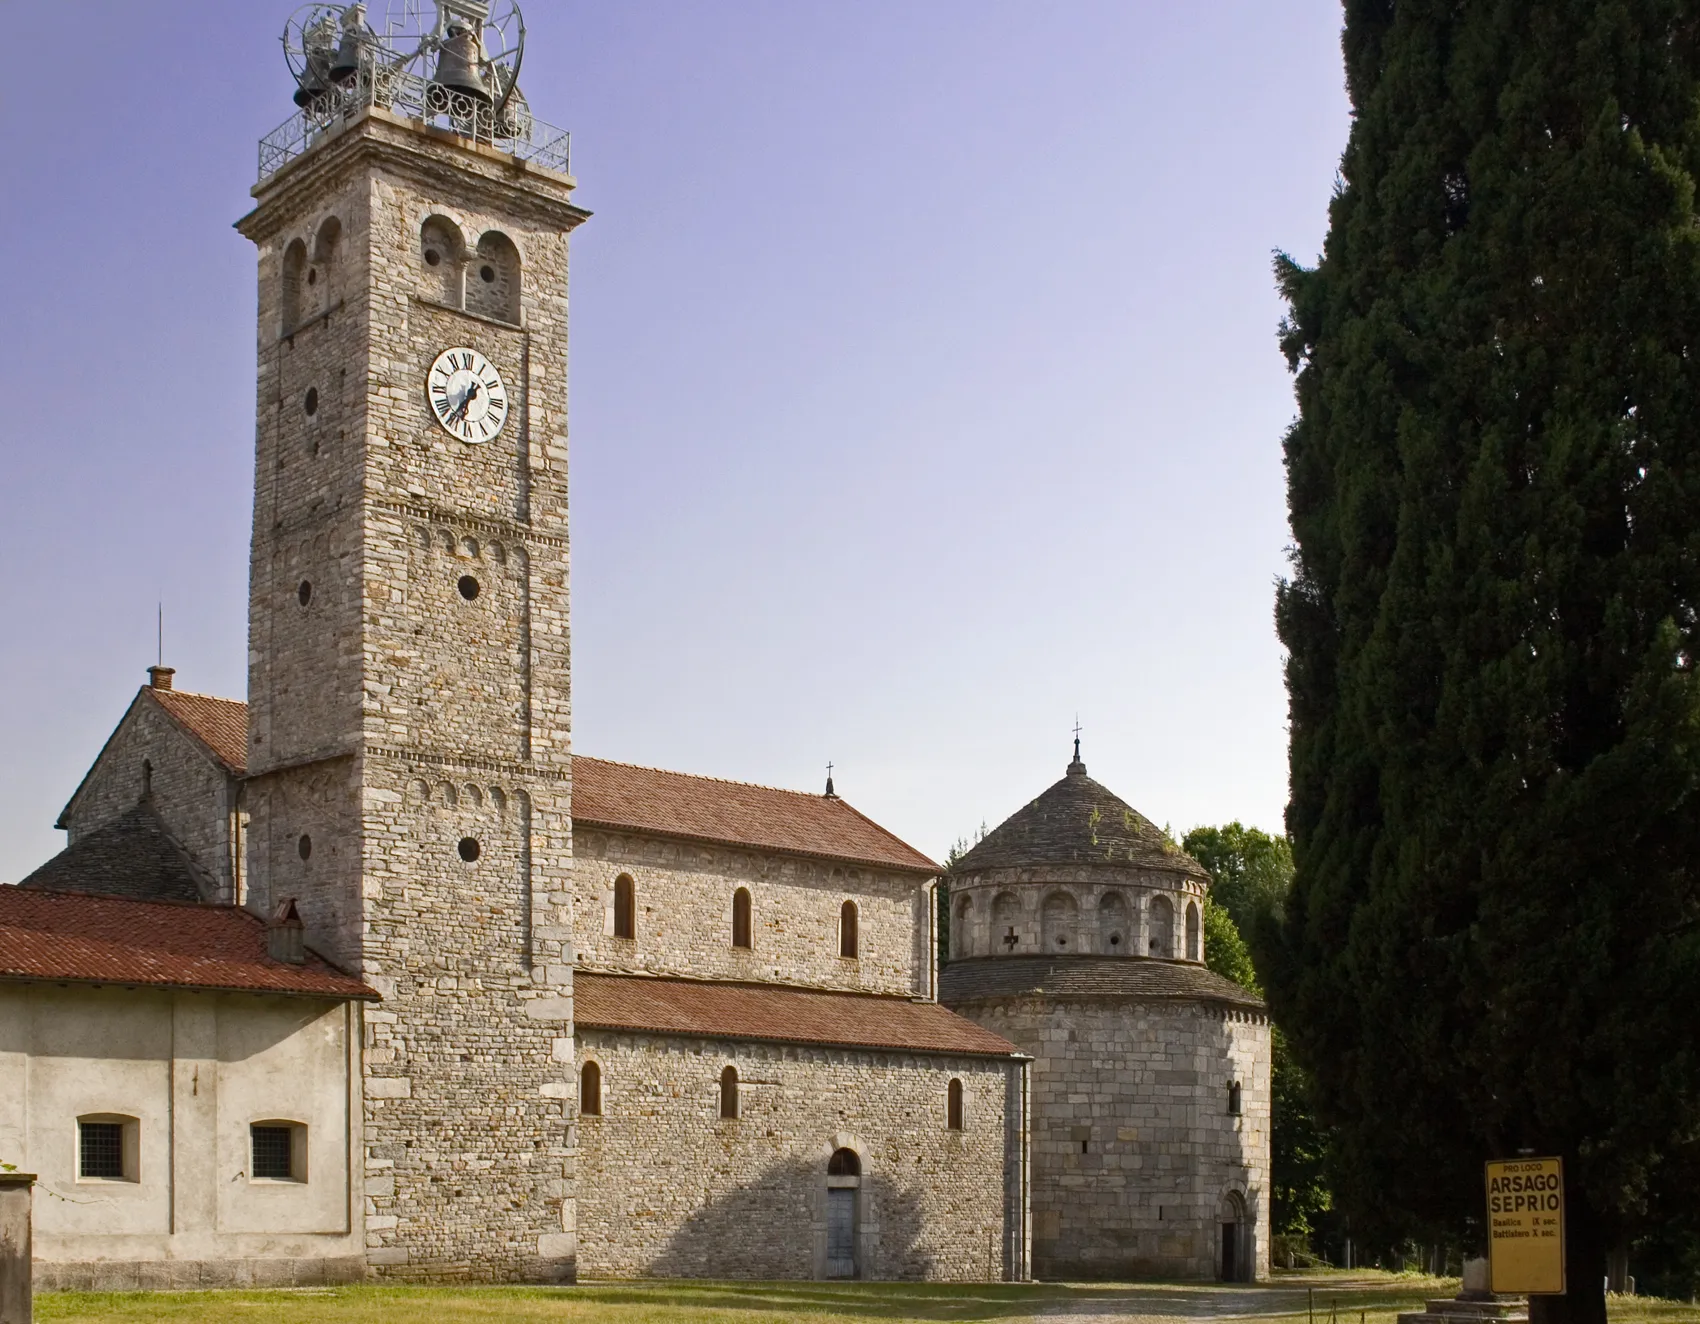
x,y
1492,942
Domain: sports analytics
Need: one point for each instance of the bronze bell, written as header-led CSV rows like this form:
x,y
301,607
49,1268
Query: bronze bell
x,y
356,37
459,63
318,50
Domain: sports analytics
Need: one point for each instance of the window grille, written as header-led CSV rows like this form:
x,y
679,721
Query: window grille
x,y
272,1153
100,1150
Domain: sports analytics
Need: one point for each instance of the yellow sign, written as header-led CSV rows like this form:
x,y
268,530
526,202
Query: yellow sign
x,y
1525,1200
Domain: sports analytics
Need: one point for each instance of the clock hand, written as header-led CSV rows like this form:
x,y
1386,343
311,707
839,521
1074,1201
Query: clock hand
x,y
465,400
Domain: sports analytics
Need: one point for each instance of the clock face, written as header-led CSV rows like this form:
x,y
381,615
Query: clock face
x,y
467,395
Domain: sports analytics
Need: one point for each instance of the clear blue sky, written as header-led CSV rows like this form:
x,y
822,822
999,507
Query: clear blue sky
x,y
924,385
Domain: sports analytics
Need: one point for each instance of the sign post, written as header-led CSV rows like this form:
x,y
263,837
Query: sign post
x,y
1525,1200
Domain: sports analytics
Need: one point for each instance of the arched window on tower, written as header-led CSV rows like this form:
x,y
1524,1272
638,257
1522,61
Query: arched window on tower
x,y
294,278
1006,918
492,279
961,928
1060,921
741,918
1162,927
847,936
625,907
590,1090
323,271
1112,925
442,254
1193,936
729,1093
953,1106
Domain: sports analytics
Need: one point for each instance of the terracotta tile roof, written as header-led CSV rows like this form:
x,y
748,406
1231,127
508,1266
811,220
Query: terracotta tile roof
x,y
1135,978
219,724
675,804
133,856
67,936
702,1009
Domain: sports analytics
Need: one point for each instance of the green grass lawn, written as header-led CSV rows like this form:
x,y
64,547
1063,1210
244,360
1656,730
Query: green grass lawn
x,y
1343,1298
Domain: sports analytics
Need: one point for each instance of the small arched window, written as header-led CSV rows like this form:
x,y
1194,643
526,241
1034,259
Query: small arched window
x,y
1193,937
492,278
953,1106
961,934
590,1090
844,1163
741,918
294,277
625,907
1162,927
441,257
729,1093
1234,1098
847,937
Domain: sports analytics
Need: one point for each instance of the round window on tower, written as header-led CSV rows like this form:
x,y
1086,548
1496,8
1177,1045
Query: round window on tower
x,y
468,587
487,274
469,849
432,257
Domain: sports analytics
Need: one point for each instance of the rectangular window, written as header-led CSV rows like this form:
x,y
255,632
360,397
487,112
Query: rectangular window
x,y
100,1150
279,1151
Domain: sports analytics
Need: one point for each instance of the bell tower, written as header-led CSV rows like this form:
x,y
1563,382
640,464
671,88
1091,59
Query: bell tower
x,y
408,625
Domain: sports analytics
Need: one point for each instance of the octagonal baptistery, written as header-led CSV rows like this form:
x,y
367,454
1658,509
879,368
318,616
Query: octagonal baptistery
x,y
1076,931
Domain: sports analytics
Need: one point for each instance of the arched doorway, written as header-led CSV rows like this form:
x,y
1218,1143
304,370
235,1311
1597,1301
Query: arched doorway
x,y
1236,1258
843,1182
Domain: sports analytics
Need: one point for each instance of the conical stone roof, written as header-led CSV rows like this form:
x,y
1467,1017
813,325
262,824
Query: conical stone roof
x,y
1078,822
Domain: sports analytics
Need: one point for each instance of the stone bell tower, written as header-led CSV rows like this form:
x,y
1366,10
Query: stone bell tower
x,y
408,640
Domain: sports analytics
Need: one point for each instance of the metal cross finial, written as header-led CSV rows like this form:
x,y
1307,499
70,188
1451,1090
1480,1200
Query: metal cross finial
x,y
1077,737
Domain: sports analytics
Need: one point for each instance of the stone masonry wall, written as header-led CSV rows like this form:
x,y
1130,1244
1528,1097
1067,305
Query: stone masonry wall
x,y
191,792
669,1189
1134,1149
428,730
684,915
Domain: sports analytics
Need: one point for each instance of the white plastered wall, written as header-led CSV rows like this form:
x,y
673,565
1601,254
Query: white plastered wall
x,y
195,1070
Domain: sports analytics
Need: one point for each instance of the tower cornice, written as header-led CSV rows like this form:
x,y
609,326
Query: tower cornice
x,y
440,161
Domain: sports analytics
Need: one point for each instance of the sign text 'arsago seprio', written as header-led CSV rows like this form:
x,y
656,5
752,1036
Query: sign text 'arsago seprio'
x,y
1526,1225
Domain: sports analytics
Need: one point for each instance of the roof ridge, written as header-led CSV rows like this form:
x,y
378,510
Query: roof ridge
x,y
70,892
704,777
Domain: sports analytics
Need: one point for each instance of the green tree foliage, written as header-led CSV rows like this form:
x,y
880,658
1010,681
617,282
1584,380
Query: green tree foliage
x,y
1253,871
1249,870
1225,951
1493,938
